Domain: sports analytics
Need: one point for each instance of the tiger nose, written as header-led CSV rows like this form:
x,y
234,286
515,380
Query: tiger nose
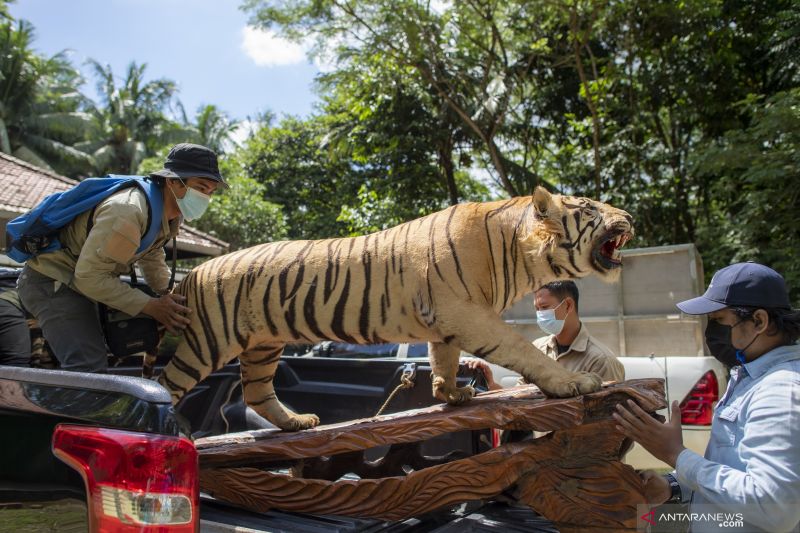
x,y
616,218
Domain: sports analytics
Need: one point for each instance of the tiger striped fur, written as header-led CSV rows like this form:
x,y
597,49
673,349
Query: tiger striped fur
x,y
444,278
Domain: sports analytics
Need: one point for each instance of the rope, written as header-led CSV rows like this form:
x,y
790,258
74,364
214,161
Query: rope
x,y
405,383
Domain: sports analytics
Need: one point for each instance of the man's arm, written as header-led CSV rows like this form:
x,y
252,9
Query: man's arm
x,y
112,241
770,448
155,269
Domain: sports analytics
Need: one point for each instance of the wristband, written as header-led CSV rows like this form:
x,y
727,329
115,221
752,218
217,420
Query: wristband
x,y
675,495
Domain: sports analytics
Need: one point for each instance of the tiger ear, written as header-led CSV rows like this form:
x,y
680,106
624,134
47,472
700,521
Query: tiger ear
x,y
542,202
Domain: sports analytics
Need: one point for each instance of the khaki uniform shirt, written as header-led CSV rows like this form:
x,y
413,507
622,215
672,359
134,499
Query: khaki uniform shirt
x,y
91,260
584,354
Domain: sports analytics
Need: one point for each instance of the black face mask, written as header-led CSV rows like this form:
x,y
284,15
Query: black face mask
x,y
718,340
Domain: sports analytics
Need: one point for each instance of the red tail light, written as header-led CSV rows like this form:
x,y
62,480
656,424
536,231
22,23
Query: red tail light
x,y
697,409
134,481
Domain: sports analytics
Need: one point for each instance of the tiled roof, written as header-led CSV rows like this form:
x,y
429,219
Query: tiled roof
x,y
23,186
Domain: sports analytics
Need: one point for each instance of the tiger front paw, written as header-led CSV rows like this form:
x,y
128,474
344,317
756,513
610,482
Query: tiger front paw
x,y
451,395
299,422
573,384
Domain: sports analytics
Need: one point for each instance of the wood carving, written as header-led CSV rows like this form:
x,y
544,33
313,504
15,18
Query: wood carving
x,y
572,476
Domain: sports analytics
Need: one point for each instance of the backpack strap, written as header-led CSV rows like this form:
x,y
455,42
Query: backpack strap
x,y
155,207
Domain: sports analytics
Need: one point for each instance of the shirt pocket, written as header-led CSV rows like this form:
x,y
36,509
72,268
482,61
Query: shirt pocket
x,y
726,426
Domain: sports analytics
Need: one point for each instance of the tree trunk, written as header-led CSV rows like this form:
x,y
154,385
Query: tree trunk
x,y
445,153
577,45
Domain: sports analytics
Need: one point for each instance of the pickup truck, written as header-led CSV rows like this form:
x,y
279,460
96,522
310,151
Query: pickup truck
x,y
696,382
108,452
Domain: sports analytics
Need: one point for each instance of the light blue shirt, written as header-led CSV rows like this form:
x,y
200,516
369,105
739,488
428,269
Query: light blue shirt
x,y
752,462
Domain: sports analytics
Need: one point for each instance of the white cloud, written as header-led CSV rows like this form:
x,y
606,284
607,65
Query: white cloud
x,y
242,132
269,50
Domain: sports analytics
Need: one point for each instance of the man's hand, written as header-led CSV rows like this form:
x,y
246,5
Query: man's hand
x,y
474,364
664,441
168,310
656,487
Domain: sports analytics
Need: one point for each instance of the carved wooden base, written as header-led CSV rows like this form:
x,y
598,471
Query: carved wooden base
x,y
572,476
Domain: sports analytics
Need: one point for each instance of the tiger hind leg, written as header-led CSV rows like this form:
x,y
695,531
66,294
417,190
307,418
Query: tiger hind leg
x,y
444,367
258,366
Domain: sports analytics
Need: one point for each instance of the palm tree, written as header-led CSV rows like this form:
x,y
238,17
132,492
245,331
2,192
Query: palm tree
x,y
131,122
214,128
41,113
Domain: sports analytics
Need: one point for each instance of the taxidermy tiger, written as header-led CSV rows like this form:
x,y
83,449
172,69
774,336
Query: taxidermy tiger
x,y
444,278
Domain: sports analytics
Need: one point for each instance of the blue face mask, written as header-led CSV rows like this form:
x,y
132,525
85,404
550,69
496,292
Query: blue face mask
x,y
547,321
740,354
193,204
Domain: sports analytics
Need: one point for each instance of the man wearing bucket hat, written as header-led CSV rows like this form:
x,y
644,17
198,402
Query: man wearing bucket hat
x,y
751,467
61,288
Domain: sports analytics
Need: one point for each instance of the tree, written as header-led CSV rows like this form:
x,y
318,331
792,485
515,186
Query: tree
x,y
756,196
300,176
131,122
473,56
668,78
41,113
240,215
214,128
396,140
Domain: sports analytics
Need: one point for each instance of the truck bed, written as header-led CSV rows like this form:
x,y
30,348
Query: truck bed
x,y
38,492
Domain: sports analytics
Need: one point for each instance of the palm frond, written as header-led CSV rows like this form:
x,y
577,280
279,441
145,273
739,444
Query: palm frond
x,y
26,154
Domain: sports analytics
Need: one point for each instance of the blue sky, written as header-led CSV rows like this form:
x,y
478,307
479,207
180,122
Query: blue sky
x,y
203,45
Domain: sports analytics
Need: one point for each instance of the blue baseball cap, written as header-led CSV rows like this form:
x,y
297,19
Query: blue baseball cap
x,y
743,284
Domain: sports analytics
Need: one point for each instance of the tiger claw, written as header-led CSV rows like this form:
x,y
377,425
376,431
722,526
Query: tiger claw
x,y
300,422
451,395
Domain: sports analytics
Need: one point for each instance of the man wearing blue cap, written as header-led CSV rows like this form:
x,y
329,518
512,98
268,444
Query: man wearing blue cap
x,y
752,463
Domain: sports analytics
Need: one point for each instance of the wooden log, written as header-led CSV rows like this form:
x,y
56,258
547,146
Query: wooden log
x,y
572,476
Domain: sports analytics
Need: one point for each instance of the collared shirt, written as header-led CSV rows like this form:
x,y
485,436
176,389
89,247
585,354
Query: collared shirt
x,y
584,354
96,251
752,462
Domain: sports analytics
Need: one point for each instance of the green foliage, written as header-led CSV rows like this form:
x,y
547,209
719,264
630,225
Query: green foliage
x,y
40,108
470,60
377,157
240,215
214,128
301,177
756,197
130,123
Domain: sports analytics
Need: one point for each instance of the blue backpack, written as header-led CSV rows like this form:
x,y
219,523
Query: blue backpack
x,y
36,232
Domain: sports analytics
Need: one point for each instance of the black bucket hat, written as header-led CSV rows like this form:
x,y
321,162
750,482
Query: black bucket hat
x,y
187,160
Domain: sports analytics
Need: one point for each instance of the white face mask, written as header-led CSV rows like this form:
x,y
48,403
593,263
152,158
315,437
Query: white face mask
x,y
193,204
547,321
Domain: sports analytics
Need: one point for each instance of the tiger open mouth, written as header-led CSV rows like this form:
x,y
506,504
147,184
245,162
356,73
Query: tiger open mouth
x,y
606,254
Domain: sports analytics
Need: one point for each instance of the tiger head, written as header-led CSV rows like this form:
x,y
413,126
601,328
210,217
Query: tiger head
x,y
580,236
